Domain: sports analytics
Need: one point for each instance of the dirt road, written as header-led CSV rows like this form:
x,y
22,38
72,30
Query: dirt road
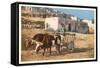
x,y
78,53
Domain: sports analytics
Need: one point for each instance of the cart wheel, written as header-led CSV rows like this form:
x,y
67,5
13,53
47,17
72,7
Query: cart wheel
x,y
71,46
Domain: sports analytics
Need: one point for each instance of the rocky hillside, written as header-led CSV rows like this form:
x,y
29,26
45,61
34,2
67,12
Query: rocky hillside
x,y
42,12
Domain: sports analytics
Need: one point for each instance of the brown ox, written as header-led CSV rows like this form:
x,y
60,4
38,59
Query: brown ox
x,y
43,41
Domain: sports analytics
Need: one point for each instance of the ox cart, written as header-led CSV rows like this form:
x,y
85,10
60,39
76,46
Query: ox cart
x,y
68,41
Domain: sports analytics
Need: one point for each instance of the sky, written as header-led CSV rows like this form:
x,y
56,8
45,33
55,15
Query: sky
x,y
82,14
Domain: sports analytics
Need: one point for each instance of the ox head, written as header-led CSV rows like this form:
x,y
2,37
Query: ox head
x,y
29,42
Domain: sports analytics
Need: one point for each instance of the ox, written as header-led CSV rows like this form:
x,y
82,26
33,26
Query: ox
x,y
45,42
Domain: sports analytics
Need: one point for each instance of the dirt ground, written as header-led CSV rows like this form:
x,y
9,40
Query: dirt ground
x,y
78,53
84,48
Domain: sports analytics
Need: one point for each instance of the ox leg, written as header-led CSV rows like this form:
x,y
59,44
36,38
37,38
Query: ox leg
x,y
43,51
58,48
50,51
37,48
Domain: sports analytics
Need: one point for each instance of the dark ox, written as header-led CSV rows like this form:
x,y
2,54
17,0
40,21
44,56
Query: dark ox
x,y
43,41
